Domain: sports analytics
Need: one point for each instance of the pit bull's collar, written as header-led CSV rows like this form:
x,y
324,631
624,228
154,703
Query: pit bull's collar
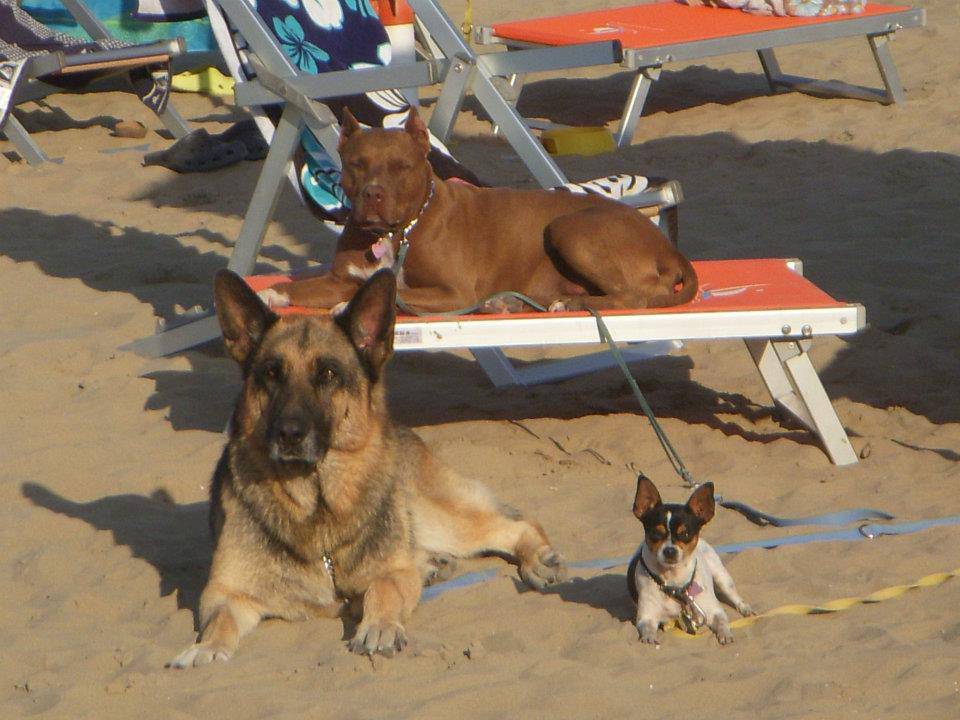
x,y
403,232
384,243
677,592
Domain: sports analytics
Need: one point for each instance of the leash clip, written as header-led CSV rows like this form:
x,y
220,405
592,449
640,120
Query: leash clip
x,y
868,534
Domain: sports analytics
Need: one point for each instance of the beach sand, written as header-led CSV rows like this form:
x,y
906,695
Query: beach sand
x,y
105,457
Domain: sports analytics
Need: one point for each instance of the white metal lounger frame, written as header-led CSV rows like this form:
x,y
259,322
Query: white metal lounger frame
x,y
29,87
454,64
778,341
648,62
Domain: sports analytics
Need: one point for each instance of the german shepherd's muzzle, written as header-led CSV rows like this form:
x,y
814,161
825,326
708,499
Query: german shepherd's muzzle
x,y
297,431
319,499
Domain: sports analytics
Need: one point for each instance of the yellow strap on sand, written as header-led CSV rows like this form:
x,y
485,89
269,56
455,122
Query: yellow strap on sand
x,y
927,581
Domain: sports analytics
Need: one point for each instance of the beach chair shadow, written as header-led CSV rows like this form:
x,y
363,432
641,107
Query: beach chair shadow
x,y
173,538
598,101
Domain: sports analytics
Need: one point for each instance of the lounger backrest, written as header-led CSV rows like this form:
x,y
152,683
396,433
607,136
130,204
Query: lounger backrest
x,y
23,36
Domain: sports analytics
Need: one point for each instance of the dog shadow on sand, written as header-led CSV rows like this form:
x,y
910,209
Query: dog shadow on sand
x,y
173,538
602,592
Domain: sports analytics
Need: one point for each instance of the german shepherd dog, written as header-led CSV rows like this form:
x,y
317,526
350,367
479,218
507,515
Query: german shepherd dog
x,y
319,501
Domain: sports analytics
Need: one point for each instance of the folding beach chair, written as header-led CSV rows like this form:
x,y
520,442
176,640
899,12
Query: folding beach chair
x,y
663,32
766,303
36,62
249,45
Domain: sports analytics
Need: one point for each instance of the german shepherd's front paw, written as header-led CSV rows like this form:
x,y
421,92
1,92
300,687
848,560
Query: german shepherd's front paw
x,y
547,567
385,638
200,654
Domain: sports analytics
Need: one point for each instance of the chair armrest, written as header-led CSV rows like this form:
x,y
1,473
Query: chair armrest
x,y
268,88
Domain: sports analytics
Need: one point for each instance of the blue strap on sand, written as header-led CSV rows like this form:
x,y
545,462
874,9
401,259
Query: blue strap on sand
x,y
861,532
842,517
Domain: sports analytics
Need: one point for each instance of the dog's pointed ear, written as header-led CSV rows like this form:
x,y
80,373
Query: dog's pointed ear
x,y
647,497
701,502
369,319
348,125
243,317
416,129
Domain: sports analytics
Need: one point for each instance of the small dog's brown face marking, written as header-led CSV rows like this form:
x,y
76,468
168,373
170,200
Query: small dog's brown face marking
x,y
385,172
656,535
685,536
672,531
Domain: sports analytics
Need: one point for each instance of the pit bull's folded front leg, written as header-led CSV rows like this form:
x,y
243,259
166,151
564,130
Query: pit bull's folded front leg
x,y
325,291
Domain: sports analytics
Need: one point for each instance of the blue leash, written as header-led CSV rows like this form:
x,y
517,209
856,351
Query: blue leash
x,y
841,517
863,532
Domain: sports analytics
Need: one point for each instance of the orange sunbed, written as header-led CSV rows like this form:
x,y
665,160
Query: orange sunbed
x,y
726,286
654,34
766,303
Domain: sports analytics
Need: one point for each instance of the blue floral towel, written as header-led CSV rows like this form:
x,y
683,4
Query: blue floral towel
x,y
325,35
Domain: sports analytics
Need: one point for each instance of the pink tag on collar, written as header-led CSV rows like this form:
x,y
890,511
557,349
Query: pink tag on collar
x,y
380,248
694,590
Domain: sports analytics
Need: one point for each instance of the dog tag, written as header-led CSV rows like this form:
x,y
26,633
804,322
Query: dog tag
x,y
686,623
381,248
693,590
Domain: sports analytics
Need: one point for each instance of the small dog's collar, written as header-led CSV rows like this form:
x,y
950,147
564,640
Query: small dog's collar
x,y
677,592
691,614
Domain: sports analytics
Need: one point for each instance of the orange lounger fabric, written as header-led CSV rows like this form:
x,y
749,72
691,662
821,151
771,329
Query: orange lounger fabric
x,y
725,285
667,23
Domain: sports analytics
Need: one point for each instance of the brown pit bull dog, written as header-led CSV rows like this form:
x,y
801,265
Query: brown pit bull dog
x,y
565,251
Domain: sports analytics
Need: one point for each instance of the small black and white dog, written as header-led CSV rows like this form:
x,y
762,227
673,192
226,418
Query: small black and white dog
x,y
674,574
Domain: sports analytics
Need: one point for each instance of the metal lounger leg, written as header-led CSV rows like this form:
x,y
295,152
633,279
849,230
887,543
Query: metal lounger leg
x,y
795,386
25,145
634,106
496,366
879,44
892,92
516,132
771,68
510,89
454,90
267,192
174,122
448,39
502,372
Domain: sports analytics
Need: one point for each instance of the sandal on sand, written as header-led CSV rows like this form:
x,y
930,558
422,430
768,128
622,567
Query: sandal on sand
x,y
247,132
198,152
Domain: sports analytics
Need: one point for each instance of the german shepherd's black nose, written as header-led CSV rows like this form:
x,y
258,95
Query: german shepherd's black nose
x,y
291,432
